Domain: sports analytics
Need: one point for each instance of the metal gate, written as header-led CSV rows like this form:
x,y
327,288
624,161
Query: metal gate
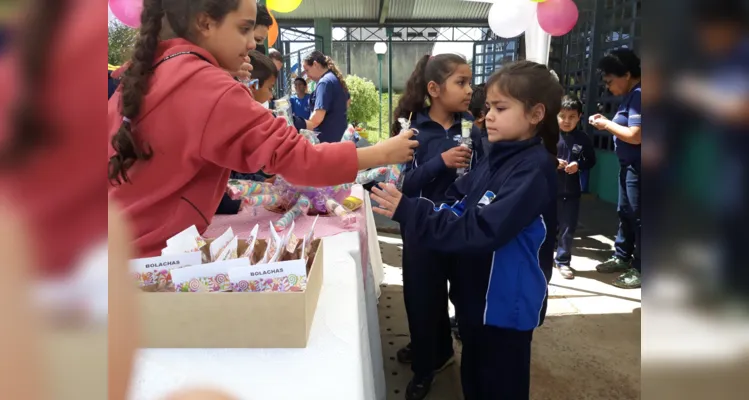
x,y
491,55
602,25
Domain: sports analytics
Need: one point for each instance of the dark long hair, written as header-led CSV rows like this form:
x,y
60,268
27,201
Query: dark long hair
x,y
29,129
326,62
532,83
180,14
429,68
262,67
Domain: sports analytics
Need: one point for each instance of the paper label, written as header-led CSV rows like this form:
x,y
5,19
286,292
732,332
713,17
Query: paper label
x,y
156,270
285,276
186,241
211,277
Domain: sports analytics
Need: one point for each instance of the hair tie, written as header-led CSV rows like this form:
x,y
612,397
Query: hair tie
x,y
126,119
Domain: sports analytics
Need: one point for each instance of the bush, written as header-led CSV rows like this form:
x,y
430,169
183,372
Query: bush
x,y
365,103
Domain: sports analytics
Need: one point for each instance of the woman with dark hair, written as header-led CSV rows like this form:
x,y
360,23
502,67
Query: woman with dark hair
x,y
621,73
330,99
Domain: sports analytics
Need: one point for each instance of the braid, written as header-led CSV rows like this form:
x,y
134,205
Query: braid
x,y
134,85
331,64
29,129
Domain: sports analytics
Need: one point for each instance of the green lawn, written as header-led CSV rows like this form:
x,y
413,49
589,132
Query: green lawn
x,y
374,133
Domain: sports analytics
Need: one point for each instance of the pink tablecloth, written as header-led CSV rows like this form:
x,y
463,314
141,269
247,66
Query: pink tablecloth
x,y
243,223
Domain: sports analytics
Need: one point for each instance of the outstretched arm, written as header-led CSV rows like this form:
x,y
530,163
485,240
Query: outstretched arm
x,y
480,228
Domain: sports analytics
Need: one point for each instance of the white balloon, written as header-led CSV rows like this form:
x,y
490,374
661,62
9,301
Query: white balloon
x,y
510,18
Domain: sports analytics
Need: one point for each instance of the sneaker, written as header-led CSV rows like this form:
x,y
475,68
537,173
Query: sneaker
x,y
404,355
628,280
566,271
613,264
418,388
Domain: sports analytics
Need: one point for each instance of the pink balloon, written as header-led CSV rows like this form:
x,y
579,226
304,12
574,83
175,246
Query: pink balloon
x,y
127,11
557,17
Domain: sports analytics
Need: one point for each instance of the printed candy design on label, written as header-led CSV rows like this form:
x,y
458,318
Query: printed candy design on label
x,y
241,286
218,283
282,284
149,278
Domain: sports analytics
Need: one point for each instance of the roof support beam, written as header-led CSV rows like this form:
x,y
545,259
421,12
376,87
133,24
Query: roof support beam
x,y
384,10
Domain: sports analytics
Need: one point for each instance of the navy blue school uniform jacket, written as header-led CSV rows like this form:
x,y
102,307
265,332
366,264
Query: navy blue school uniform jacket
x,y
427,175
572,147
502,224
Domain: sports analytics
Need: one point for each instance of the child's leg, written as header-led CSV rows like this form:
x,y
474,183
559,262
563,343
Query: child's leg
x,y
567,213
496,363
425,297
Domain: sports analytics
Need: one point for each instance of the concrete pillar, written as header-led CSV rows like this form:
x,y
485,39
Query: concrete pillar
x,y
324,31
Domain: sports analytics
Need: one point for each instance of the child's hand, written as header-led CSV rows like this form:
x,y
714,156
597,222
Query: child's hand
x,y
245,71
562,164
398,149
598,121
387,199
572,168
457,157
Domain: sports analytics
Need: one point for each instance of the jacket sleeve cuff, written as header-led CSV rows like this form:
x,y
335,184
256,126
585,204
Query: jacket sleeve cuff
x,y
404,209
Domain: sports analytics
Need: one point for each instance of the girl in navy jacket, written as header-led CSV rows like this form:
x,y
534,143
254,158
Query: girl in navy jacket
x,y
499,222
446,81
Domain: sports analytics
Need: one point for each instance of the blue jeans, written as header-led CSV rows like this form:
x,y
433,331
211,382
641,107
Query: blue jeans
x,y
628,237
568,209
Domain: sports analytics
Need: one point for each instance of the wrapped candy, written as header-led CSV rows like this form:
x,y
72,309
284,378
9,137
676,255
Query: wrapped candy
x,y
269,200
283,109
339,210
300,208
396,175
309,135
371,175
239,188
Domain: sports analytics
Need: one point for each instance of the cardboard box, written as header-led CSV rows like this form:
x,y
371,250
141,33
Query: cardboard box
x,y
232,320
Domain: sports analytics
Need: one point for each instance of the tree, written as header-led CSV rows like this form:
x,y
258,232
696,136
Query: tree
x,y
121,42
364,100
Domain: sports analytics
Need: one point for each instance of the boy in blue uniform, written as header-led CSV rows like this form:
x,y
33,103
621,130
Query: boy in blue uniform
x,y
264,73
575,153
500,229
300,100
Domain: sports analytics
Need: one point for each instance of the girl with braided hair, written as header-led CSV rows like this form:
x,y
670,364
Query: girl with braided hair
x,y
179,123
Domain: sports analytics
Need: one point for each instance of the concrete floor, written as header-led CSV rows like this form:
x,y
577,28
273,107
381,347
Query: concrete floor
x,y
589,346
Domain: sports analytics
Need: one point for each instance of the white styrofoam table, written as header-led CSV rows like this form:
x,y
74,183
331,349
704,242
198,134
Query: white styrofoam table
x,y
343,359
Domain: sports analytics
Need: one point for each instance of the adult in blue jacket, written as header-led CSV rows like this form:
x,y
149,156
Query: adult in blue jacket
x,y
621,72
330,100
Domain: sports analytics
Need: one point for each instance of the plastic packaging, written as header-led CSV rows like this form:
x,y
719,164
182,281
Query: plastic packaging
x,y
346,217
396,176
283,110
465,140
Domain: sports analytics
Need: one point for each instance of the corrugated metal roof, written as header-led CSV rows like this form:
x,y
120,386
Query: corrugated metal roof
x,y
400,10
431,10
348,10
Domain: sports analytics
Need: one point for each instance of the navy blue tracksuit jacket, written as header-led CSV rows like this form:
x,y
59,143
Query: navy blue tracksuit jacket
x,y
502,224
572,147
427,175
425,271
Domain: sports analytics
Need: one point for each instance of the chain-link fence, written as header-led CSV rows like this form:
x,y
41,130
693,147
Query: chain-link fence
x,y
292,68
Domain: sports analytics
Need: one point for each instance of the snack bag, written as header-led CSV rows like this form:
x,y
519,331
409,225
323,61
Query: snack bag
x,y
229,252
251,244
275,245
202,278
187,241
220,243
308,238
